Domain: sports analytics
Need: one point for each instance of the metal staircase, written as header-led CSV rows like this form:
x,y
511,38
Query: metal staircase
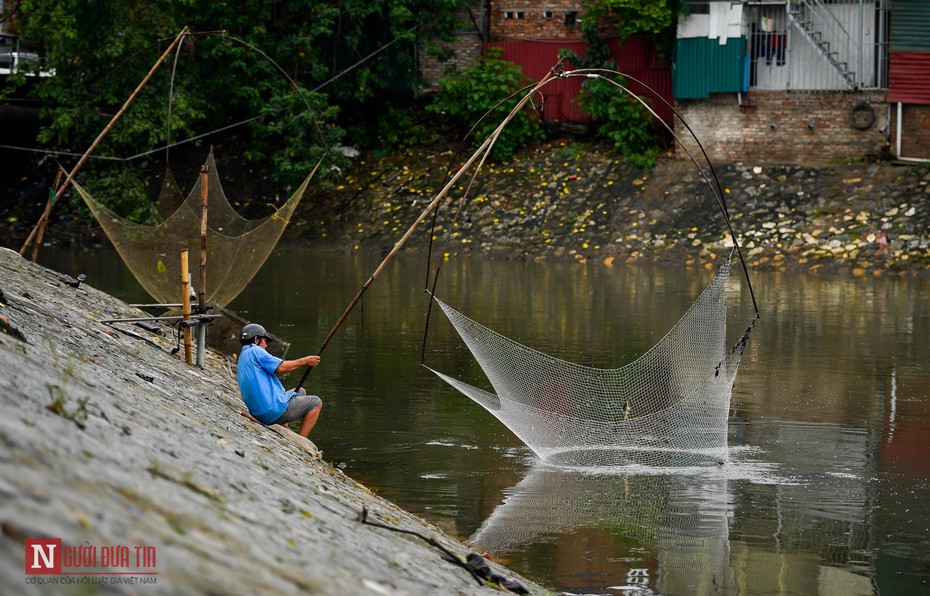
x,y
821,28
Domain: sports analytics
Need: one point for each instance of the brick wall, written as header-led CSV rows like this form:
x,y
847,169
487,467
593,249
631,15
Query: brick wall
x,y
466,48
915,130
540,19
505,19
780,127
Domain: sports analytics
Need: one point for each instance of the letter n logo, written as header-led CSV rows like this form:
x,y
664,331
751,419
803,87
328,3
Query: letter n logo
x,y
43,555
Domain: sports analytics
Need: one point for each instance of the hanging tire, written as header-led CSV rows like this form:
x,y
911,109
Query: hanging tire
x,y
862,116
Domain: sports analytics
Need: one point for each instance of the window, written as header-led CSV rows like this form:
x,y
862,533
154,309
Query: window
x,y
548,14
513,14
571,18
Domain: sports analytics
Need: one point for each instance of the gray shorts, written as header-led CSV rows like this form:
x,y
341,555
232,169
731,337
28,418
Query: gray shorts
x,y
299,406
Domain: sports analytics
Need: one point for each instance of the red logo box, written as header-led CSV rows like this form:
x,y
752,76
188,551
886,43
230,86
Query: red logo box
x,y
43,556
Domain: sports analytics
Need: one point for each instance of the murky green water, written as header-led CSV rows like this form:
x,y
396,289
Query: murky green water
x,y
828,487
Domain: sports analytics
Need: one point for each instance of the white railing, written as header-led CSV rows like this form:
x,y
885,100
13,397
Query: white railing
x,y
14,59
820,27
818,45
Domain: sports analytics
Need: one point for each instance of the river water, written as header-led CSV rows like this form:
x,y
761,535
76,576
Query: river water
x,y
827,488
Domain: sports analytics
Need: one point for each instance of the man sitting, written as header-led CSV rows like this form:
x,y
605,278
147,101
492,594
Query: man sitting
x,y
261,390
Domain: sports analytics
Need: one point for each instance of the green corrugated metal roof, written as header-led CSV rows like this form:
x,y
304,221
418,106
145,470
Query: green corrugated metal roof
x,y
703,66
910,21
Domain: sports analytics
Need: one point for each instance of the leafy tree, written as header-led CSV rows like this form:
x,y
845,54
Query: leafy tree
x,y
622,118
467,97
652,19
350,60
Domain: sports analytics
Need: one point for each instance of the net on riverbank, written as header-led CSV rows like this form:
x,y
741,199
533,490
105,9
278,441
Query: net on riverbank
x,y
667,408
236,247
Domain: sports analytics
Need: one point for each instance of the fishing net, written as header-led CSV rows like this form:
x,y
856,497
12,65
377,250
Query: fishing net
x,y
667,408
236,247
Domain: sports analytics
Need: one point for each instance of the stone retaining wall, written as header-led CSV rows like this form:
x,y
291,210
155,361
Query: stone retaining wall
x,y
772,127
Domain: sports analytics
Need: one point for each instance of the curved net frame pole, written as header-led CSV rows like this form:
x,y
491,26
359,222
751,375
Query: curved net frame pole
x,y
668,408
482,152
103,133
598,73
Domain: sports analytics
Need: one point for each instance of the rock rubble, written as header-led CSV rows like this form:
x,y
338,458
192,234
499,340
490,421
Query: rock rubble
x,y
582,203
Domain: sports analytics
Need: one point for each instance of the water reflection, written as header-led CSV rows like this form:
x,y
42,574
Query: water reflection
x,y
828,490
674,529
742,528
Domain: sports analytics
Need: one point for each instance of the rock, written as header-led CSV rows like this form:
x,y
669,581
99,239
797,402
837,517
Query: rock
x,y
552,186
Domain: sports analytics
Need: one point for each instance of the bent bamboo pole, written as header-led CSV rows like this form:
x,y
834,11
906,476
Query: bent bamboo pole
x,y
103,133
481,152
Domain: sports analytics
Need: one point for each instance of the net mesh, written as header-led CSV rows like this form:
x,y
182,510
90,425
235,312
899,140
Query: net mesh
x,y
236,247
667,408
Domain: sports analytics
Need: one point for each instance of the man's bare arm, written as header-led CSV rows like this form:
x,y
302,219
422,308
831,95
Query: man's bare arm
x,y
287,366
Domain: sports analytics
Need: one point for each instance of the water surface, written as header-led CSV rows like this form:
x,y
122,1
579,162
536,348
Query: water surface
x,y
828,486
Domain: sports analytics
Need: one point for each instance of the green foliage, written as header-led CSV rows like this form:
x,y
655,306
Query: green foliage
x,y
101,50
121,189
569,151
399,129
469,97
288,135
652,19
622,118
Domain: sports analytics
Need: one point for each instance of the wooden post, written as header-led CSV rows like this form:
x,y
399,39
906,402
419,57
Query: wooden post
x,y
64,186
186,305
202,298
203,237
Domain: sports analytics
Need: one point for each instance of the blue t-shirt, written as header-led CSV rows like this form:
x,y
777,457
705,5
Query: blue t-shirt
x,y
261,390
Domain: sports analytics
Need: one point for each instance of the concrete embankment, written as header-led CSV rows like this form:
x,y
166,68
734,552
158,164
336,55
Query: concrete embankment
x,y
145,470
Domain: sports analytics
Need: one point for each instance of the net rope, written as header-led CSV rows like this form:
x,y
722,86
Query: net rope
x,y
236,247
667,408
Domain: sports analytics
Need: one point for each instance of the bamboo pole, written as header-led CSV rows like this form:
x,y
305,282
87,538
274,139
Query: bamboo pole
x,y
169,319
204,193
482,152
186,305
202,328
103,133
43,221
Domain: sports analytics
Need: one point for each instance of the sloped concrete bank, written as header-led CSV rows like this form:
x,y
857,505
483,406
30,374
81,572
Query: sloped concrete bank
x,y
117,447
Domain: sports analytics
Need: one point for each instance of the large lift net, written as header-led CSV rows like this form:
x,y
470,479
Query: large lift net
x,y
667,408
236,247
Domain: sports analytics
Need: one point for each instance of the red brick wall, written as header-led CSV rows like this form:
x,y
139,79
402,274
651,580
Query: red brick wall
x,y
915,130
508,19
780,127
540,19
